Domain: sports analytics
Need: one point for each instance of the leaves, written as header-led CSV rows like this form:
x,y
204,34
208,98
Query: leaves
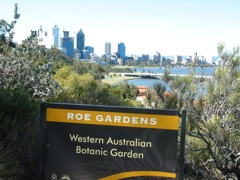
x,y
27,67
214,117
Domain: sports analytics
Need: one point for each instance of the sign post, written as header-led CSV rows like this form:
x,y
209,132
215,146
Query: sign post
x,y
182,144
107,142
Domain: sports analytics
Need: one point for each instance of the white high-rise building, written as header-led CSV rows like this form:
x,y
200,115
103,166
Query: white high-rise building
x,y
55,35
108,48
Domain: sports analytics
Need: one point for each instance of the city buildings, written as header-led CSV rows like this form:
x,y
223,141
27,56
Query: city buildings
x,y
177,59
90,49
67,43
144,58
55,36
157,57
86,52
85,55
108,48
82,52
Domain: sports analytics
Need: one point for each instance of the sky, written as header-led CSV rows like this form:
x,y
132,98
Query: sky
x,y
171,27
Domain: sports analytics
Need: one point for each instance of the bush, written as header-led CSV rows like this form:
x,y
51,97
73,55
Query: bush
x,y
18,135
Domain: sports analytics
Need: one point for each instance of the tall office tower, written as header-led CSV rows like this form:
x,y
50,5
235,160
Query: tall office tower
x,y
68,44
108,48
195,58
55,35
159,59
80,42
158,56
121,51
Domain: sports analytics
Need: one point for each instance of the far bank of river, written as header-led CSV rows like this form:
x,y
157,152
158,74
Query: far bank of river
x,y
117,79
208,71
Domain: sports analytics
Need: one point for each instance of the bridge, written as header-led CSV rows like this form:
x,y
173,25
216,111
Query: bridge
x,y
155,75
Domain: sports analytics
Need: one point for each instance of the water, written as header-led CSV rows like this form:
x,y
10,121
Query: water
x,y
207,71
143,82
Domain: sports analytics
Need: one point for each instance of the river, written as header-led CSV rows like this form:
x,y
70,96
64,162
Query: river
x,y
207,71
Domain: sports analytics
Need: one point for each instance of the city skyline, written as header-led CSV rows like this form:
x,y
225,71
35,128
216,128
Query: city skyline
x,y
145,27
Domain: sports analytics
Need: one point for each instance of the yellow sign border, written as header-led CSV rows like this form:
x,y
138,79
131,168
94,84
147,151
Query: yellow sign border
x,y
155,121
139,173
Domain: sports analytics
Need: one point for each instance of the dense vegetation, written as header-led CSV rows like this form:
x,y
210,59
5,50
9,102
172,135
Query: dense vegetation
x,y
213,107
30,74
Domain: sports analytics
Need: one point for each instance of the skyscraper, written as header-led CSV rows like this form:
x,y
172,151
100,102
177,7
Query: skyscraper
x,y
195,58
55,35
121,50
68,44
108,48
80,41
159,59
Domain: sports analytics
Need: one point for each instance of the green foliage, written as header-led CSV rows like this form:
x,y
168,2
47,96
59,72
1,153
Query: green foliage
x,y
83,89
91,92
113,69
213,114
25,73
59,58
158,97
18,135
166,76
95,69
213,111
128,91
160,89
27,68
172,101
6,32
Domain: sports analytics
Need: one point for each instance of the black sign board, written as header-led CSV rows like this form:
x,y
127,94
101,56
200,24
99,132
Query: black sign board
x,y
106,142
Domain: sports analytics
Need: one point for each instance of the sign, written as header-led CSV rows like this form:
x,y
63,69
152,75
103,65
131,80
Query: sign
x,y
105,142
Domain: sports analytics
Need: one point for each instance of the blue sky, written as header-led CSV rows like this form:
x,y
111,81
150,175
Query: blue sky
x,y
172,27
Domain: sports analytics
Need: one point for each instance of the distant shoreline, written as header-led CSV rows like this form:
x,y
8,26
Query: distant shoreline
x,y
114,80
182,66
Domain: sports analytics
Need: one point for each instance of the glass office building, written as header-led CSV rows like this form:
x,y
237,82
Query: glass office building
x,y
55,36
67,43
121,50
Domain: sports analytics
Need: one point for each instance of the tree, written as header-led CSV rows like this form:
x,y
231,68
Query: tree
x,y
84,89
166,76
60,58
213,107
6,32
19,128
158,97
25,72
214,115
128,91
160,89
27,68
